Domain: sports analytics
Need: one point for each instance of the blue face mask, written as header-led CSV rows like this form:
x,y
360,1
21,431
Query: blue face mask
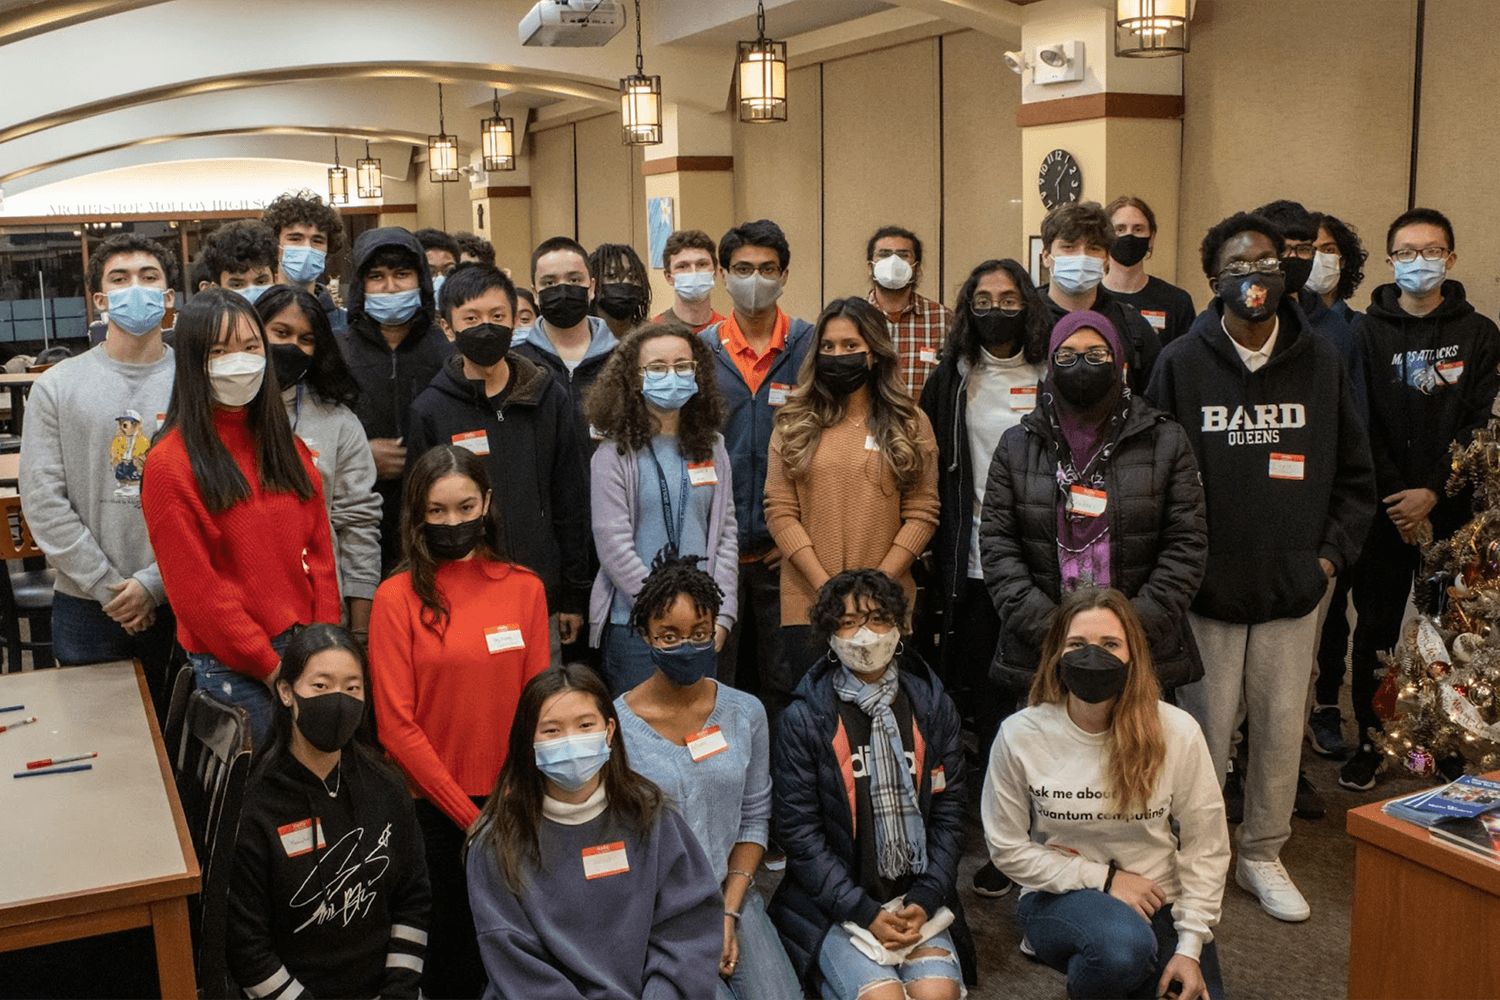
x,y
1418,277
572,760
393,308
302,264
137,309
437,289
669,391
253,292
1078,273
686,664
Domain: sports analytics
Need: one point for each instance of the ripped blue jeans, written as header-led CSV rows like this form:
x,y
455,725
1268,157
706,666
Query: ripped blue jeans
x,y
244,690
846,970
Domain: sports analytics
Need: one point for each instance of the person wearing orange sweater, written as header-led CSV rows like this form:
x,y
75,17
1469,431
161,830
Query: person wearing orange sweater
x,y
234,509
852,479
455,634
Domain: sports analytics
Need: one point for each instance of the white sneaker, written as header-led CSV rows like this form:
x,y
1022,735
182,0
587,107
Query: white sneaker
x,y
1026,948
1269,883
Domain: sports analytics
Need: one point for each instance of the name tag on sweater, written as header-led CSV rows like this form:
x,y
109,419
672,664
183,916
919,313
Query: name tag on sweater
x,y
1287,466
503,637
871,444
927,355
778,393
297,838
702,474
312,448
1156,318
1450,372
476,441
707,743
604,860
1090,503
1023,398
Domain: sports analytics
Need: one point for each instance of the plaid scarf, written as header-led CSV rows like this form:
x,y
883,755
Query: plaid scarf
x,y
900,836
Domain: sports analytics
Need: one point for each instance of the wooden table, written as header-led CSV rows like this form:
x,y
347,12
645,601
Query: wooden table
x,y
93,852
10,469
19,384
1426,916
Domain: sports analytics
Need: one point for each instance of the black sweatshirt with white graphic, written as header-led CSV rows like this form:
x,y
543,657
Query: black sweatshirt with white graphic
x,y
1285,463
329,895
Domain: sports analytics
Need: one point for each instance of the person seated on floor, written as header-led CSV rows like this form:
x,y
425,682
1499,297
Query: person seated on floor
x,y
1101,801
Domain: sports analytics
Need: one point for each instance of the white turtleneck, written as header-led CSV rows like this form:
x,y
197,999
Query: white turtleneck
x,y
569,814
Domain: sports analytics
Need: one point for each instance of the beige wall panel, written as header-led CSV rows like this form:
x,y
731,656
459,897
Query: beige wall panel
x,y
778,176
551,183
1311,101
1144,162
609,206
982,160
507,224
881,158
1460,145
441,206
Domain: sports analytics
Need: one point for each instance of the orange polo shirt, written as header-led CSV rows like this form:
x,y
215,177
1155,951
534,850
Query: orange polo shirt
x,y
753,367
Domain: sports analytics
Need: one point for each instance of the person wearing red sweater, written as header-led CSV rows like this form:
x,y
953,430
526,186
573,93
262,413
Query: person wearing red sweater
x,y
234,509
455,634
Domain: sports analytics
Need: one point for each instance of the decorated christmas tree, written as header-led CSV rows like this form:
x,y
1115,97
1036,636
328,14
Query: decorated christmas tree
x,y
1442,692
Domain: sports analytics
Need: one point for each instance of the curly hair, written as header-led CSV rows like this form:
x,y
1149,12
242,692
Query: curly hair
x,y
882,593
126,243
810,407
685,239
239,246
481,249
305,208
963,340
668,580
1351,250
615,406
1228,229
903,233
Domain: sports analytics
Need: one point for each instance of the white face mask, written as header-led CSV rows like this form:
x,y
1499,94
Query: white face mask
x,y
753,292
1325,274
892,272
236,378
693,286
867,651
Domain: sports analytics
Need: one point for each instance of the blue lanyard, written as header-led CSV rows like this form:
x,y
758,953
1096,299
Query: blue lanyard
x,y
674,538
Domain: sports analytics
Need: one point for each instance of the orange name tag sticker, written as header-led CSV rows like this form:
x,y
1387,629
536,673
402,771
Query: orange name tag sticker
x,y
1023,398
707,743
939,780
297,838
1090,503
504,637
1450,371
871,444
778,393
927,355
605,859
161,418
476,441
1156,318
702,474
1286,466
312,449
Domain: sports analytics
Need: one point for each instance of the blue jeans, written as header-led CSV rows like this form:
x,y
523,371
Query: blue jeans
x,y
846,970
82,634
244,690
764,972
627,658
1104,946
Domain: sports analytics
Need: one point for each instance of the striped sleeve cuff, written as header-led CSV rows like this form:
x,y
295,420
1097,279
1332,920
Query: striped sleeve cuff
x,y
279,986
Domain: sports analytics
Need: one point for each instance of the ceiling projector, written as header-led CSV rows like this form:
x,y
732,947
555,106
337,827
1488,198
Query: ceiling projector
x,y
579,24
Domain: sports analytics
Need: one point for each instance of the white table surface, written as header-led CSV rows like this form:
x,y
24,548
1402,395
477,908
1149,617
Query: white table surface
x,y
87,830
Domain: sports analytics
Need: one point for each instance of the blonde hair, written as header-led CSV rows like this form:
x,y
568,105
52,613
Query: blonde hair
x,y
1135,744
810,407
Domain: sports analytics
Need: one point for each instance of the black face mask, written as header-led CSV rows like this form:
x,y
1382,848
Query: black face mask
x,y
290,362
841,374
485,343
1130,250
564,306
1297,272
621,299
328,721
1083,384
996,328
453,541
1252,296
1093,673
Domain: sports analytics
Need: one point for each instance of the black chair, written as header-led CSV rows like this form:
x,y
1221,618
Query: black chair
x,y
25,592
185,684
213,761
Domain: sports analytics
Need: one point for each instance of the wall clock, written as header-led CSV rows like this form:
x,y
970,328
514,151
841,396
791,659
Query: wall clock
x,y
1060,180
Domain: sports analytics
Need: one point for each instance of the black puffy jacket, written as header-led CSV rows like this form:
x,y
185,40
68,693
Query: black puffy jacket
x,y
1158,539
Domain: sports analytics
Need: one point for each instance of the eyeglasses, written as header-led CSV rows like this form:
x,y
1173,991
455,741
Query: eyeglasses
x,y
1066,357
767,270
659,369
672,640
1427,253
868,618
983,307
905,255
1240,268
1304,251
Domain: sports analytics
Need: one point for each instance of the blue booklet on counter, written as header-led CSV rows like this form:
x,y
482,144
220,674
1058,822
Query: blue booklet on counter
x,y
1465,798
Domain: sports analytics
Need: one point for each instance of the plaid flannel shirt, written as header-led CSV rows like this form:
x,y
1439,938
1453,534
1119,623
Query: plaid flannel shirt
x,y
919,334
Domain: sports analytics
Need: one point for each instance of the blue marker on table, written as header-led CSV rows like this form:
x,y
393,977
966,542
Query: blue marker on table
x,y
12,708
55,770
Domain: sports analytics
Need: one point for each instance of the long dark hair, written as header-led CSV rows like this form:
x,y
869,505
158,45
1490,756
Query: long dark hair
x,y
277,462
615,406
1351,249
328,376
512,816
437,463
963,339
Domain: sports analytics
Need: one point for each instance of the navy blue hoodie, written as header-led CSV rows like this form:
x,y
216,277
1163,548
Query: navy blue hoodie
x,y
1285,463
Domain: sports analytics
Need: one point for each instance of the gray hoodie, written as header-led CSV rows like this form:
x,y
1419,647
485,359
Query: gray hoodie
x,y
89,422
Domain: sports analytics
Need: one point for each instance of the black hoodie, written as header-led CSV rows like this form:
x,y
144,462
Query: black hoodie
x,y
341,915
535,459
1432,380
1285,463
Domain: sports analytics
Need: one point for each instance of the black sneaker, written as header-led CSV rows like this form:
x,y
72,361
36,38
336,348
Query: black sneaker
x,y
1360,771
1234,795
1325,731
990,881
1309,803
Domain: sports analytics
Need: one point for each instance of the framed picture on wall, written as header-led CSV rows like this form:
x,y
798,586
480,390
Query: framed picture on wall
x,y
1039,276
659,225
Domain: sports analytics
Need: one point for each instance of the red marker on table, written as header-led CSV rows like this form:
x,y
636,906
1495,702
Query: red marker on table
x,y
34,764
13,725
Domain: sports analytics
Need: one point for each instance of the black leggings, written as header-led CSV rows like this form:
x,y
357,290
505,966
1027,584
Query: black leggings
x,y
454,967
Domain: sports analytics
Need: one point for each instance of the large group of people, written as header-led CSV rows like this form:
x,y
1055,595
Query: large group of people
x,y
556,625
